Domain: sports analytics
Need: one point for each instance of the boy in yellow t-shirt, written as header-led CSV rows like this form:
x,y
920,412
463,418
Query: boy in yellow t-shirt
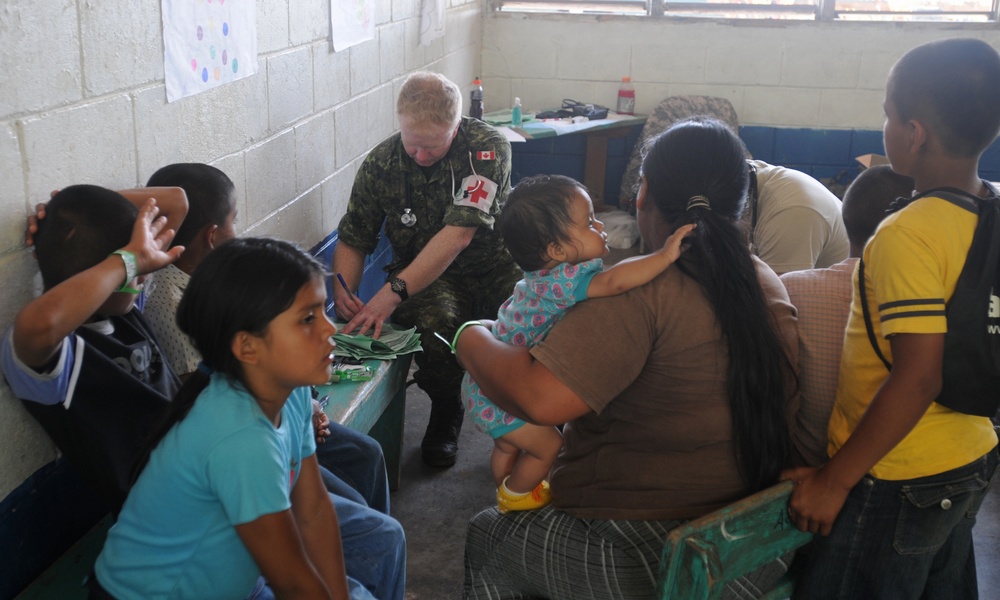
x,y
896,503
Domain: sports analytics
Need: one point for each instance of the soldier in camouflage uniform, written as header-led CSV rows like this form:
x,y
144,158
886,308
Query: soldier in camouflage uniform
x,y
437,186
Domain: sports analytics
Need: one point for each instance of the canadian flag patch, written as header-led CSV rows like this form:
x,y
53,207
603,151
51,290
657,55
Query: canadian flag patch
x,y
486,155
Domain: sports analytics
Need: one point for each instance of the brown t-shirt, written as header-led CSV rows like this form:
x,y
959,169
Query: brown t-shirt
x,y
651,364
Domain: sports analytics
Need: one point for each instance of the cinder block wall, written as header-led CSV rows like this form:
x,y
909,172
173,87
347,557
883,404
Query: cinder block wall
x,y
82,100
803,74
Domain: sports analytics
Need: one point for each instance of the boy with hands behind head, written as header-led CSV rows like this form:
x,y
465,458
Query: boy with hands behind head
x,y
82,360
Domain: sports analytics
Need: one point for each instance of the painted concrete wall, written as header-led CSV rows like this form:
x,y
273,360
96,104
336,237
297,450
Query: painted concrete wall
x,y
82,100
786,74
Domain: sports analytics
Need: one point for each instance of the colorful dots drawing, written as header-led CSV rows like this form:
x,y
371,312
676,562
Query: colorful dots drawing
x,y
216,38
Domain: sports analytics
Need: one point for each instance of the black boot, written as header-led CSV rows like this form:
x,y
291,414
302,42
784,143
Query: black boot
x,y
440,444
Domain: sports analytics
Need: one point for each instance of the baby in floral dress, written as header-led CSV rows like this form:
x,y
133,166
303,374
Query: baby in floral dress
x,y
549,227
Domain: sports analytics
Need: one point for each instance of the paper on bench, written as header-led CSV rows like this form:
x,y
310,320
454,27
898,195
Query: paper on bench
x,y
391,343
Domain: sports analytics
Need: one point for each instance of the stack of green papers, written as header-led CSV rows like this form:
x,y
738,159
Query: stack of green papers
x,y
391,343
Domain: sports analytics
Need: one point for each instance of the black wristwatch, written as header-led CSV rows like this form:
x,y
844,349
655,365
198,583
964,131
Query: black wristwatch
x,y
399,286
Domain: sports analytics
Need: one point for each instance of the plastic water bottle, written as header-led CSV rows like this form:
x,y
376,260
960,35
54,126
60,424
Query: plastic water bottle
x,y
515,113
626,97
476,100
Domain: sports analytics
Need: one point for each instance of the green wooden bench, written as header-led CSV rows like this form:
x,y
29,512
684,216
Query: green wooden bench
x,y
703,555
375,407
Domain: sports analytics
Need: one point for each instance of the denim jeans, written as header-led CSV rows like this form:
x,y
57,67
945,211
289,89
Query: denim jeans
x,y
354,467
262,592
374,553
902,539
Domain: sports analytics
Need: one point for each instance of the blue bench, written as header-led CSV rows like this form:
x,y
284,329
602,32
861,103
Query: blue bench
x,y
52,527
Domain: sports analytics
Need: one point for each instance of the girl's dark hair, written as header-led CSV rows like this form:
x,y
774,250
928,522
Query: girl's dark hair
x,y
240,286
703,157
535,215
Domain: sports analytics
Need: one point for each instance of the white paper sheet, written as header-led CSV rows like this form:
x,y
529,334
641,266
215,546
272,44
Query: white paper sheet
x,y
431,20
351,22
207,44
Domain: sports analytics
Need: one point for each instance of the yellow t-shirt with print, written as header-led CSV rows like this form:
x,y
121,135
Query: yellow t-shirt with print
x,y
912,264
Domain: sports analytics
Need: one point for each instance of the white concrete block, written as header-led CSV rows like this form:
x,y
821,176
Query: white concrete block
x,y
392,52
352,130
122,45
364,67
856,109
13,203
331,76
199,128
875,67
382,12
529,59
381,110
790,107
289,86
669,63
309,21
592,62
272,26
314,150
546,94
828,67
270,176
433,52
741,62
414,54
403,9
301,221
26,446
463,28
40,55
89,143
336,195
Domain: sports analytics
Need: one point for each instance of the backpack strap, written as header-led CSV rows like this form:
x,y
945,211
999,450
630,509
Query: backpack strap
x,y
868,315
953,195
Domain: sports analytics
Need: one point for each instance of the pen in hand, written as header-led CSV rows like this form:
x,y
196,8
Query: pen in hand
x,y
343,283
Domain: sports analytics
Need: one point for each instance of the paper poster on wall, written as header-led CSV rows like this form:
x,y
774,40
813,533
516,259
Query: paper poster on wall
x,y
351,22
431,20
207,43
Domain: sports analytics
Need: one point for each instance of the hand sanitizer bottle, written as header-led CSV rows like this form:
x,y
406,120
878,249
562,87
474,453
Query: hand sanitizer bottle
x,y
515,113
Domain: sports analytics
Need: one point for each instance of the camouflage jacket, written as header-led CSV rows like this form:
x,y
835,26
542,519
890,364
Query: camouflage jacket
x,y
390,182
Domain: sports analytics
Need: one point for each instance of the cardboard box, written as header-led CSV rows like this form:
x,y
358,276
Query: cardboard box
x,y
871,160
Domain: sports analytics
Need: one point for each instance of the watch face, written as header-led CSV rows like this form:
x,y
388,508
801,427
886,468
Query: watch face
x,y
399,286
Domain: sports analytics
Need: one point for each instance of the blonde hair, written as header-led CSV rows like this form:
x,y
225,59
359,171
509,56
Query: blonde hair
x,y
430,98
